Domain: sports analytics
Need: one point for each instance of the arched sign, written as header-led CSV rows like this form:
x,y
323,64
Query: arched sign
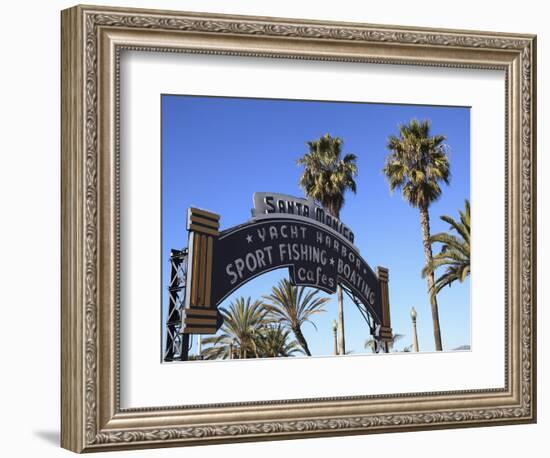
x,y
314,256
284,232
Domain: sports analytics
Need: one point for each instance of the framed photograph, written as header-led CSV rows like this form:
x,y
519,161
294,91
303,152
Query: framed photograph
x,y
266,228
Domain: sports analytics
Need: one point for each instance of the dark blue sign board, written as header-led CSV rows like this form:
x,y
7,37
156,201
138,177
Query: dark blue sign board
x,y
314,255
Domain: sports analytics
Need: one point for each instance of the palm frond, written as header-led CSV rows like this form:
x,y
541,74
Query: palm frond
x,y
242,323
454,254
292,307
327,176
416,163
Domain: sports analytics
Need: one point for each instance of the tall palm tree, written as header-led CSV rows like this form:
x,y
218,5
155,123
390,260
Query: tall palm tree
x,y
417,163
455,251
326,178
293,306
274,341
242,323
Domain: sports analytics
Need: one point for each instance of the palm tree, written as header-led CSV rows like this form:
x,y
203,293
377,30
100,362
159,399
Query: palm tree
x,y
455,251
274,341
293,306
326,178
370,343
417,164
242,323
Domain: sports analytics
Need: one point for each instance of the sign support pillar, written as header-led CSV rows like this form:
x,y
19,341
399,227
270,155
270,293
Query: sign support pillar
x,y
199,315
386,335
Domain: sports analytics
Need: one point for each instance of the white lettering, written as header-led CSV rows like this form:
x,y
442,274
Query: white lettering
x,y
262,233
273,232
239,264
230,272
250,261
284,233
282,251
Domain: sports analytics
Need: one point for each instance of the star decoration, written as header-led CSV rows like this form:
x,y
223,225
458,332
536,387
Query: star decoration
x,y
249,238
331,261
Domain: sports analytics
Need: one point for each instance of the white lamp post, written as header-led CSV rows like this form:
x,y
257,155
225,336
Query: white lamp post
x,y
335,334
415,335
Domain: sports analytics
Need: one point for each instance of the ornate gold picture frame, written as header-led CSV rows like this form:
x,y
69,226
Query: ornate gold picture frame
x,y
93,39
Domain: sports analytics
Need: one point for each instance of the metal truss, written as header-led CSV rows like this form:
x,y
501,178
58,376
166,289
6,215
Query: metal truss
x,y
177,344
381,347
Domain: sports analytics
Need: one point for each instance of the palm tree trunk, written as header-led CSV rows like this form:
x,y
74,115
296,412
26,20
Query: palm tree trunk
x,y
341,336
301,339
334,210
425,225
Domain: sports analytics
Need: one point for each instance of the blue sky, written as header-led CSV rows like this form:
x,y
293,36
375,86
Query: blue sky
x,y
218,151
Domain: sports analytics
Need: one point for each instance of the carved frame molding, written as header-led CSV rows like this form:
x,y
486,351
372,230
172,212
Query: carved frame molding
x,y
92,40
